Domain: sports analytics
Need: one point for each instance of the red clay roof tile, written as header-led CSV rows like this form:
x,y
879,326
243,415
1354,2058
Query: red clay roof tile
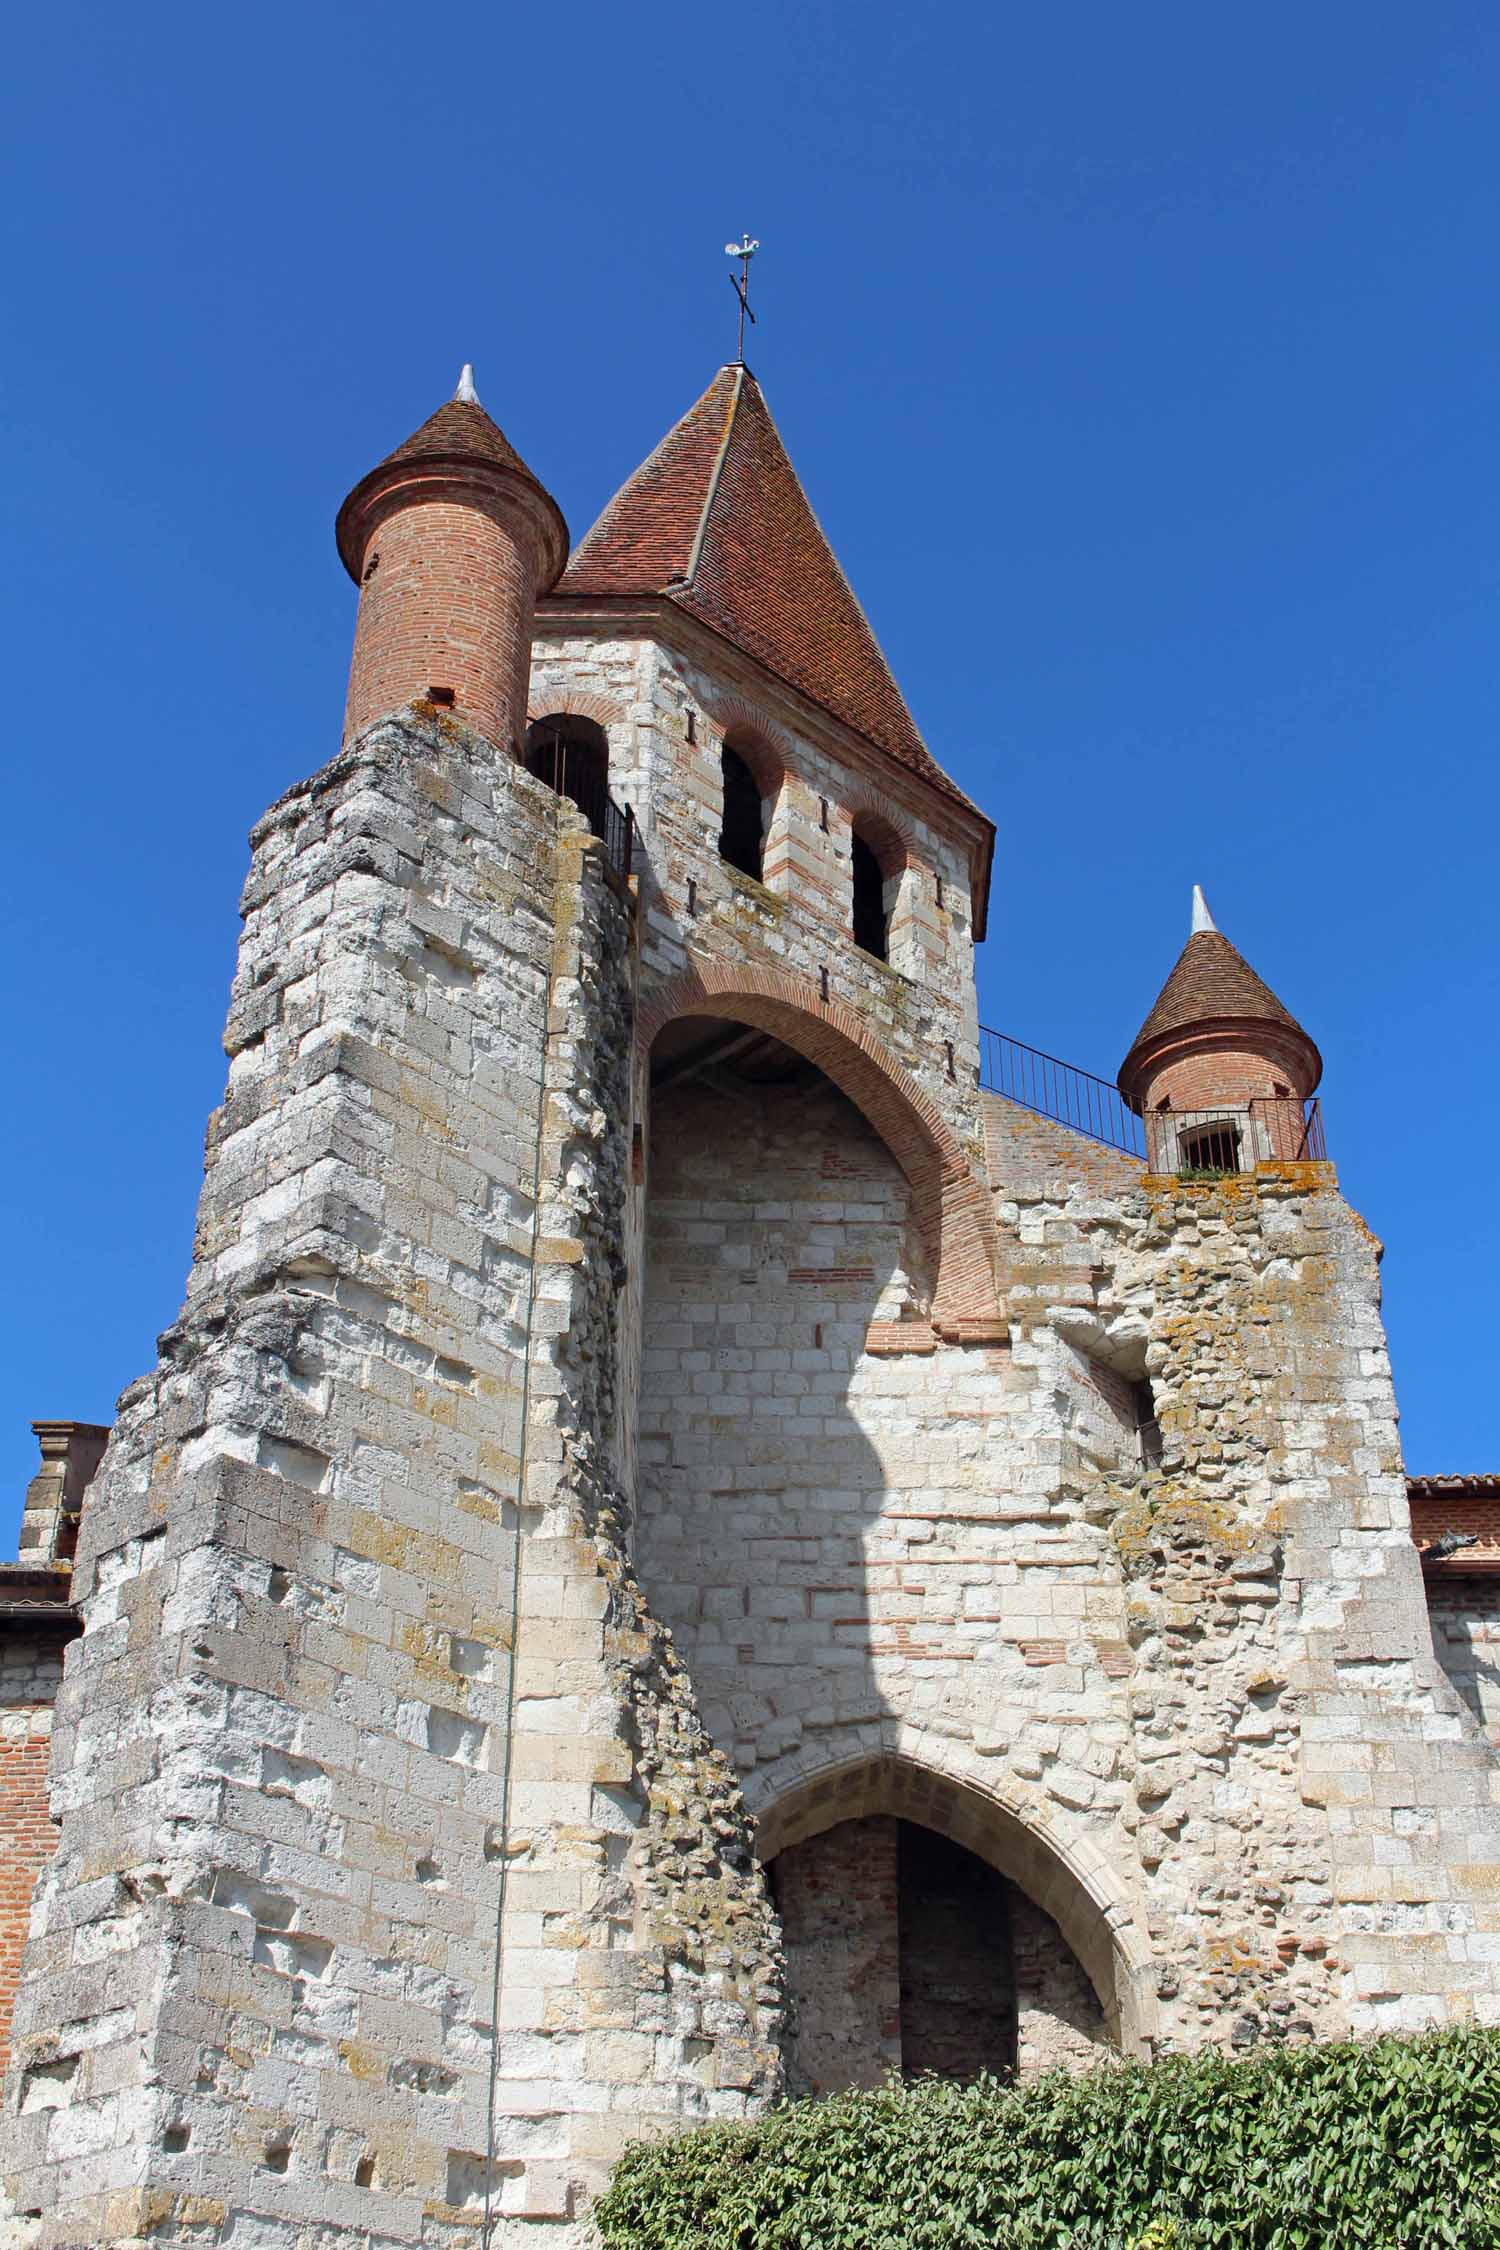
x,y
717,522
460,431
1211,982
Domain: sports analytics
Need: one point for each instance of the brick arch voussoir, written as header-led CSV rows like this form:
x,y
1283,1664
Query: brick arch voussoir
x,y
567,704
732,714
889,840
941,1785
949,1204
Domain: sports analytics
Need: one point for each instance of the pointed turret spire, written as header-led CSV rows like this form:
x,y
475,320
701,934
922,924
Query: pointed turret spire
x,y
449,540
1217,1032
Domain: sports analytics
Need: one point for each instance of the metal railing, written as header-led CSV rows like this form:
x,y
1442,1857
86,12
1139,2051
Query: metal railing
x,y
1194,1144
575,775
1208,1144
1040,1082
618,835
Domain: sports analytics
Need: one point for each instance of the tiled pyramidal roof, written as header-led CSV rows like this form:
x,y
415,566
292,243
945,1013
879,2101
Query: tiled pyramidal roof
x,y
717,522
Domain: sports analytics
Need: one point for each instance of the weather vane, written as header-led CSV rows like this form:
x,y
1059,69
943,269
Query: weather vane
x,y
740,283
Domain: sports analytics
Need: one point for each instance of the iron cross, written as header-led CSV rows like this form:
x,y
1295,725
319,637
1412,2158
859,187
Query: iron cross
x,y
740,284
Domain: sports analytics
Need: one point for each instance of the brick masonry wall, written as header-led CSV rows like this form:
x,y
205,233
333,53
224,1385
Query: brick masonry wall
x,y
907,1952
30,1671
836,1896
1059,2023
446,602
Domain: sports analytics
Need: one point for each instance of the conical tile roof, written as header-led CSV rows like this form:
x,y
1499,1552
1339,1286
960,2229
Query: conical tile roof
x,y
1212,984
460,434
717,522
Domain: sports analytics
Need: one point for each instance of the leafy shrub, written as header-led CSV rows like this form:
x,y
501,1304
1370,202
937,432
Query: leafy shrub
x,y
1389,2145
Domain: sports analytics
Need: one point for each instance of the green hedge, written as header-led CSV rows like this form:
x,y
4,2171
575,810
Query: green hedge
x,y
1391,2143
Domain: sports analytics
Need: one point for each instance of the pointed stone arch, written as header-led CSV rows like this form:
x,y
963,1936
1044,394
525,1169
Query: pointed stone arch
x,y
950,1205
936,1786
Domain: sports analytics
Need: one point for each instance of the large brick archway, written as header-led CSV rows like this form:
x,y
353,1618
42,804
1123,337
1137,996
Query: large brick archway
x,y
950,1204
1063,1874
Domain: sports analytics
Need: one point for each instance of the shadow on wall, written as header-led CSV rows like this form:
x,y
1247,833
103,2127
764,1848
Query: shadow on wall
x,y
781,1470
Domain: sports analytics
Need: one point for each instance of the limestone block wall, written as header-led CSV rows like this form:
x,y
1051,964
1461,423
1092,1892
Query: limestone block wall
x,y
366,1679
697,909
869,1545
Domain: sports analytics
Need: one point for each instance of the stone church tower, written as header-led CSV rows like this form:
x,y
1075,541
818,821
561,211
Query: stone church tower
x,y
705,1527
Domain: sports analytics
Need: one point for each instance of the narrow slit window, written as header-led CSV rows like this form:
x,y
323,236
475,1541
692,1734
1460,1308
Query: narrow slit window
x,y
741,839
1148,1429
870,928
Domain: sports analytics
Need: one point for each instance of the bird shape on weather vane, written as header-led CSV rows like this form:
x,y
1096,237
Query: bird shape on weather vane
x,y
744,250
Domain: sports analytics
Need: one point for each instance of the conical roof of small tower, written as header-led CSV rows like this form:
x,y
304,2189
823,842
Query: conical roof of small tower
x,y
461,434
717,522
1211,987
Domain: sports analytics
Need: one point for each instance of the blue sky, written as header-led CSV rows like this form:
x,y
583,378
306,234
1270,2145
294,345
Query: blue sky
x,y
1143,366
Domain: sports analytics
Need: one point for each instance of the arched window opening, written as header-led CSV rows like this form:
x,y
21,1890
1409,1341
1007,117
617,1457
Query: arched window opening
x,y
908,1953
1211,1148
742,837
571,755
871,925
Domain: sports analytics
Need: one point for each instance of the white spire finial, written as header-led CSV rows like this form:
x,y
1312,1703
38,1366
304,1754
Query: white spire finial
x,y
1202,919
466,392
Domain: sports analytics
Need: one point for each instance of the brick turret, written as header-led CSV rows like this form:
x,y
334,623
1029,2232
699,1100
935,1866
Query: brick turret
x,y
1221,1058
450,540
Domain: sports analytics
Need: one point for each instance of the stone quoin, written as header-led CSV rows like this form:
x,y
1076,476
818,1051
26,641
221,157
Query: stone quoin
x,y
683,1545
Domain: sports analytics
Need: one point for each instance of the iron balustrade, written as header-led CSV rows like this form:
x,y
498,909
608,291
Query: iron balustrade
x,y
1235,1137
575,775
1039,1082
618,835
1196,1143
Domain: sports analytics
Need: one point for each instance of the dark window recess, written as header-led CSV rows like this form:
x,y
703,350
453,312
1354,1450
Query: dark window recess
x,y
572,757
869,900
1148,1429
740,838
1209,1148
956,1963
